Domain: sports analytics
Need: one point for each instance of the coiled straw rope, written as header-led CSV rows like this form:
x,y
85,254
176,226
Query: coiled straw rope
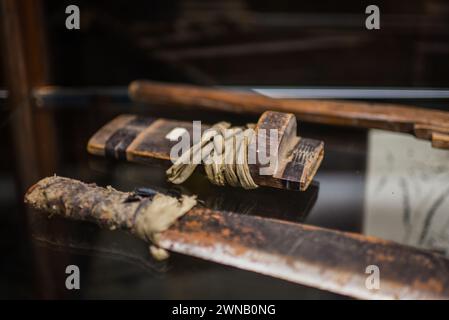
x,y
224,152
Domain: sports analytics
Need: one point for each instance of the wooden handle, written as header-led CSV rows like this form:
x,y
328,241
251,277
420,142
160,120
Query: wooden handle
x,y
426,124
144,140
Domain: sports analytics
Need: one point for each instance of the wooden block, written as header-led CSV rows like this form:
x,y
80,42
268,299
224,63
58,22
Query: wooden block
x,y
144,140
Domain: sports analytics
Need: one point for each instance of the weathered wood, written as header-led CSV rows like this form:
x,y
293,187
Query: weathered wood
x,y
143,140
145,216
17,78
426,124
24,57
317,257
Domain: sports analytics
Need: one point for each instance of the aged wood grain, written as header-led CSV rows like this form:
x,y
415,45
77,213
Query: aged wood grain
x,y
143,140
317,257
426,124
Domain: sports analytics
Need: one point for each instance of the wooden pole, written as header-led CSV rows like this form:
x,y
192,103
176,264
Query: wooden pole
x,y
426,124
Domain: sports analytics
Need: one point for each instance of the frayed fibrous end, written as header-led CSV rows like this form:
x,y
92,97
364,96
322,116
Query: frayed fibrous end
x,y
142,216
36,196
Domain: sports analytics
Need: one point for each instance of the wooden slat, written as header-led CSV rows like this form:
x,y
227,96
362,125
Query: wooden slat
x,y
420,122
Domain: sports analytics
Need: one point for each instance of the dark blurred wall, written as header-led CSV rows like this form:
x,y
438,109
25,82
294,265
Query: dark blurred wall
x,y
251,43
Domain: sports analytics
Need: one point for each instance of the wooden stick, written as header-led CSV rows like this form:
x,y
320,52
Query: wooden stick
x,y
425,124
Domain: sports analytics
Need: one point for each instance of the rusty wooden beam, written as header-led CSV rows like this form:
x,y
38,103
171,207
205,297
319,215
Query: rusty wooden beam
x,y
318,257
